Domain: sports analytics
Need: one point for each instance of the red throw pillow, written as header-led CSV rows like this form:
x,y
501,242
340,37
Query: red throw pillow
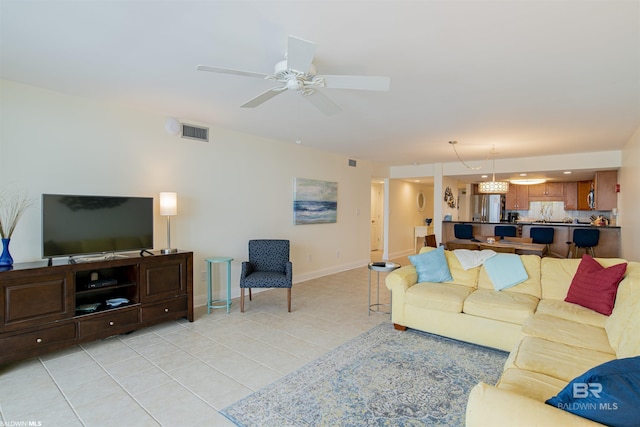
x,y
594,286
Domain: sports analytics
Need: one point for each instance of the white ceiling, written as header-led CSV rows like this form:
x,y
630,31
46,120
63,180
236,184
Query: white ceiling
x,y
528,77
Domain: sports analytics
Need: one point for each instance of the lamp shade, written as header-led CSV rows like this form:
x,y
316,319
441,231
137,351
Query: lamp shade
x,y
168,203
494,187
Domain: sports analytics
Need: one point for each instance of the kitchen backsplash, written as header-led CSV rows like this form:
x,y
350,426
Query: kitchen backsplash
x,y
554,212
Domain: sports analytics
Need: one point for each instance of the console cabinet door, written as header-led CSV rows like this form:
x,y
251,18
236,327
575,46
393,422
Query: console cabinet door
x,y
32,300
163,280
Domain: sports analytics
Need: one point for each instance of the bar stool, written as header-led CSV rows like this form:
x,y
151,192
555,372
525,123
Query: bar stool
x,y
211,303
584,238
505,231
542,235
463,231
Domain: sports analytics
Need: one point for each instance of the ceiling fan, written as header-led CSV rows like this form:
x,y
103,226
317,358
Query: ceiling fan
x,y
297,73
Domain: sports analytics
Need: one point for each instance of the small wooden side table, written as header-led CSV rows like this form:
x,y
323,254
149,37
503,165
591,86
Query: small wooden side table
x,y
218,303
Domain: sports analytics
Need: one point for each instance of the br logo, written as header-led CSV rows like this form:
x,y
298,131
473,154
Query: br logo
x,y
583,390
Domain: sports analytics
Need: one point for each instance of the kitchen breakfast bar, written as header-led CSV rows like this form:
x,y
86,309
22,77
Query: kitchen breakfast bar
x,y
608,244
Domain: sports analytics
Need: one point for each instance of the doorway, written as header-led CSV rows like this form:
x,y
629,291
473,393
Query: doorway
x,y
377,203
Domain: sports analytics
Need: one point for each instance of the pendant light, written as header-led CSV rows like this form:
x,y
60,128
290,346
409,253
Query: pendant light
x,y
493,186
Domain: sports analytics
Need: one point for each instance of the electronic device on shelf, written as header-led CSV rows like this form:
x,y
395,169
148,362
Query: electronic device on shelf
x,y
83,225
101,283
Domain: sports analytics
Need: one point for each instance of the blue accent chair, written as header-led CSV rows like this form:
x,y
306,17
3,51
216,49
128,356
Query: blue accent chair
x,y
268,267
503,231
463,231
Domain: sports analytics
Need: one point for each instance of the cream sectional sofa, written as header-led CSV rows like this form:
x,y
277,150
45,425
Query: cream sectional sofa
x,y
550,341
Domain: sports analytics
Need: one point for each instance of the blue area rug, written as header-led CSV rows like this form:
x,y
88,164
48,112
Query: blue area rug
x,y
383,377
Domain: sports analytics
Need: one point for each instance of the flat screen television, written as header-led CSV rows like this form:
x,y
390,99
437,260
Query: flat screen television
x,y
83,225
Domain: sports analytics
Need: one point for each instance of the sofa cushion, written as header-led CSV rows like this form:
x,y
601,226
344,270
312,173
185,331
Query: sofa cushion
x,y
531,384
608,393
505,306
438,296
569,311
556,274
567,332
431,266
629,344
595,286
554,359
627,303
459,275
531,286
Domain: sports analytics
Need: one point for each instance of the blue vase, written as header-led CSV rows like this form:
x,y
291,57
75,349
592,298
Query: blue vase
x,y
5,258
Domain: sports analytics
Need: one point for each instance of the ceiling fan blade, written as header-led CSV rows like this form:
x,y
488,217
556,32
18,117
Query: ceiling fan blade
x,y
357,82
322,102
300,54
264,97
230,71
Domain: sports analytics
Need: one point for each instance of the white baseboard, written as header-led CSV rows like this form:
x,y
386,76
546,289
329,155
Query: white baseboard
x,y
201,300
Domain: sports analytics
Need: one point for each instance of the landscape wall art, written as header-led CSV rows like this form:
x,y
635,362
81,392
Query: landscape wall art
x,y
314,202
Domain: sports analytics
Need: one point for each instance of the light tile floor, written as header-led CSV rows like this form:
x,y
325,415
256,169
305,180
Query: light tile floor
x,y
181,373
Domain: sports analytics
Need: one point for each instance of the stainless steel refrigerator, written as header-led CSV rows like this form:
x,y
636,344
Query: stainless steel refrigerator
x,y
487,207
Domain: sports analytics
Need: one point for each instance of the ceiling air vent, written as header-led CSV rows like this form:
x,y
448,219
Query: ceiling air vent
x,y
195,132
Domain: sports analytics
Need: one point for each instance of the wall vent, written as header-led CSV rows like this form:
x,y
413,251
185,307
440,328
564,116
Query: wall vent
x,y
195,132
352,163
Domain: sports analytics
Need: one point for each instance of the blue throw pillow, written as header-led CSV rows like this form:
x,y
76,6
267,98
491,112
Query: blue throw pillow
x,y
432,266
608,394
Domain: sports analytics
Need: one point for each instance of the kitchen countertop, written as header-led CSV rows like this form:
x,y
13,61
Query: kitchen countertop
x,y
537,223
565,224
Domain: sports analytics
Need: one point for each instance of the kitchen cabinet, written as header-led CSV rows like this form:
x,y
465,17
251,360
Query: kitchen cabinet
x,y
606,197
571,196
584,187
517,198
549,191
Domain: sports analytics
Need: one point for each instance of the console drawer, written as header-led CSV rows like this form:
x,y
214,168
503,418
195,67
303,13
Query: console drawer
x,y
116,321
27,341
173,308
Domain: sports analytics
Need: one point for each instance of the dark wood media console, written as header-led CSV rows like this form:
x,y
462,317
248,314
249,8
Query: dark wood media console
x,y
45,308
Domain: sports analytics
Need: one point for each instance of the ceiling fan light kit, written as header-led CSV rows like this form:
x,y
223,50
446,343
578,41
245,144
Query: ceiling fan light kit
x,y
298,73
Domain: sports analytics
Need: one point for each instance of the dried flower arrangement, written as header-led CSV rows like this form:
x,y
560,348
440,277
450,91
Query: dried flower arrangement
x,y
12,207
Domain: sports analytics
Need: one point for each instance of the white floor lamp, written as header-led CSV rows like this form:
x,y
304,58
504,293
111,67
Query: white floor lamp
x,y
168,208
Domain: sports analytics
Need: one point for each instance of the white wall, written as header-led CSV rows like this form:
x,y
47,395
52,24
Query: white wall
x,y
629,198
232,189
